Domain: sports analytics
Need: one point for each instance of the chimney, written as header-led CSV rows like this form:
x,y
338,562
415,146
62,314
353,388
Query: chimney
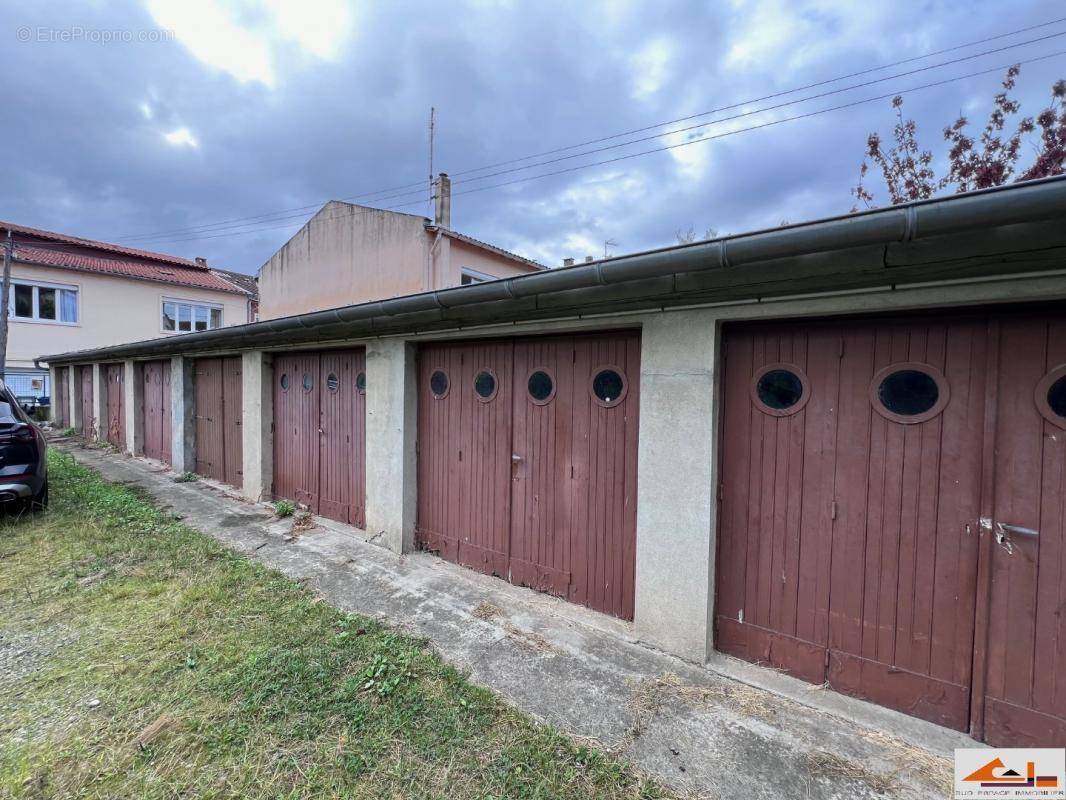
x,y
201,261
568,262
443,214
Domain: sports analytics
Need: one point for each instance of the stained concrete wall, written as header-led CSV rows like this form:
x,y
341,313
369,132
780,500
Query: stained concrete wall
x,y
391,422
183,414
674,596
133,407
257,425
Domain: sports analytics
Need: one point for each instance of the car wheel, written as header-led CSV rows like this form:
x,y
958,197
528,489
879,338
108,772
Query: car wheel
x,y
40,500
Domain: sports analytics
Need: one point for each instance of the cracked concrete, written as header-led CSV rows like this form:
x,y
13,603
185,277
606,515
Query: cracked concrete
x,y
721,730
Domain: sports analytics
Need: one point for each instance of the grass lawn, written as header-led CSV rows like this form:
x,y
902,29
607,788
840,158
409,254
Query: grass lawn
x,y
118,622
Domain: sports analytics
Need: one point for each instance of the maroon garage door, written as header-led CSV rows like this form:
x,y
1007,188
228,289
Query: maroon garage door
x,y
320,432
85,394
116,405
860,460
219,443
156,409
527,454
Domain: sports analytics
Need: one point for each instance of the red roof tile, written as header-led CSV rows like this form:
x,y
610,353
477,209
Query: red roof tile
x,y
164,273
69,252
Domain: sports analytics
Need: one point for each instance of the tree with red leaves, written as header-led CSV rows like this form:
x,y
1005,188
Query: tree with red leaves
x,y
989,160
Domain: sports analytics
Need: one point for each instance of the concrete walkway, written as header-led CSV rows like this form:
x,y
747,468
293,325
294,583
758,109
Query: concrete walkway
x,y
727,729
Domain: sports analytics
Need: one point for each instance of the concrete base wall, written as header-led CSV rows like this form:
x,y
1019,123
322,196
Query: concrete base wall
x,y
391,421
257,425
183,410
675,491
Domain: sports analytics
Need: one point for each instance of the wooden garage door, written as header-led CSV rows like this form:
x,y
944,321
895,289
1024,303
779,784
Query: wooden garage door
x,y
157,419
1025,690
88,416
116,405
864,466
320,432
219,443
527,462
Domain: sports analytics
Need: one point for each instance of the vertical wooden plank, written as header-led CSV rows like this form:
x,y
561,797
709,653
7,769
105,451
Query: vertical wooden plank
x,y
232,410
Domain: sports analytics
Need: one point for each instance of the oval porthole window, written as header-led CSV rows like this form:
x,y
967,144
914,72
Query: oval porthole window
x,y
284,381
485,385
332,383
541,386
438,384
608,386
360,383
1051,396
910,392
307,382
780,390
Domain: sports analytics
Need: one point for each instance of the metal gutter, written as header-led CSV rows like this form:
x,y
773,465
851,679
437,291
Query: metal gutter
x,y
1032,201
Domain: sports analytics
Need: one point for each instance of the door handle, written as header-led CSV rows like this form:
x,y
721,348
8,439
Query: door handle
x,y
515,458
1004,532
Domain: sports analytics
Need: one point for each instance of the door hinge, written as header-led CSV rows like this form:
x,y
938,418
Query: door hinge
x,y
840,353
720,491
833,510
826,664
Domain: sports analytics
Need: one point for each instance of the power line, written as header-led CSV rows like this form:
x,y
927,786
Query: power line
x,y
782,93
277,216
666,148
818,96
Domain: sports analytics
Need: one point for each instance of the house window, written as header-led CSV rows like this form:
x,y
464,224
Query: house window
x,y
43,302
183,317
470,276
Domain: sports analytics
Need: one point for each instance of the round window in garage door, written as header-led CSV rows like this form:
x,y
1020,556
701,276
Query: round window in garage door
x,y
485,385
909,392
1050,396
438,384
780,390
608,385
541,386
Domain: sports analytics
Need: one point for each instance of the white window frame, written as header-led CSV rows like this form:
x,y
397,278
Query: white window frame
x,y
36,286
192,306
475,276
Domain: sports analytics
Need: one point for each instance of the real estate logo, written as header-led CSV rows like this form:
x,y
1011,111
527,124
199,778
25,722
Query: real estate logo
x,y
1010,773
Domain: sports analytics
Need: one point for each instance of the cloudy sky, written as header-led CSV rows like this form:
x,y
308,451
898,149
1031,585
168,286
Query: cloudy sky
x,y
167,123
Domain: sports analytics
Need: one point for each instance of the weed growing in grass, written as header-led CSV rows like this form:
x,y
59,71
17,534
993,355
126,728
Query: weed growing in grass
x,y
283,508
159,664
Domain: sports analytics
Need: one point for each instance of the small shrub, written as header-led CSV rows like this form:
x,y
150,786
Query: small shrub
x,y
283,508
187,477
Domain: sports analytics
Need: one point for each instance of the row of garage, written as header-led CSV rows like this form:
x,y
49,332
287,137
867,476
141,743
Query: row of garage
x,y
858,461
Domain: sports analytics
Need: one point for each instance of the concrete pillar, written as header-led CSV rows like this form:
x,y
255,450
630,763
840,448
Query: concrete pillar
x,y
391,420
257,424
99,402
133,406
183,410
58,403
74,397
676,472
